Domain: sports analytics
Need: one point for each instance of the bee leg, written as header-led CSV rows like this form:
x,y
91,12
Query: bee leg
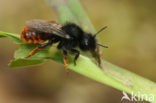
x,y
65,60
61,46
38,48
77,53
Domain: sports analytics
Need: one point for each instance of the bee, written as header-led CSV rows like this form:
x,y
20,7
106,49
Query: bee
x,y
68,35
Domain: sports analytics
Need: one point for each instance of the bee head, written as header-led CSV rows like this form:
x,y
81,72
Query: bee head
x,y
88,41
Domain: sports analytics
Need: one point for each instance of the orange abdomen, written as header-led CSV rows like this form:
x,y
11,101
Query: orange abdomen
x,y
29,36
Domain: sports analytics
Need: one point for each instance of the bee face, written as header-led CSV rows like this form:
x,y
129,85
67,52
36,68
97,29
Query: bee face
x,y
88,42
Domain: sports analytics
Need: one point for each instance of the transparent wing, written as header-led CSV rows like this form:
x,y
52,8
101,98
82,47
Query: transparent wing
x,y
49,27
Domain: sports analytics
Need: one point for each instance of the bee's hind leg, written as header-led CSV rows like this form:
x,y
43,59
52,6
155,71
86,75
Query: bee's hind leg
x,y
65,59
39,48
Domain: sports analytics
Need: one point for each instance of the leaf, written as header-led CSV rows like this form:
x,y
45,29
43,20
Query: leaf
x,y
12,36
22,63
112,75
23,51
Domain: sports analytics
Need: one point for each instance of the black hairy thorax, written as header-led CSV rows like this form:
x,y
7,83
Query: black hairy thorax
x,y
78,38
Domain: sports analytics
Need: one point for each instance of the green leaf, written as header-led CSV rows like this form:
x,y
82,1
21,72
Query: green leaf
x,y
23,51
112,75
12,36
22,63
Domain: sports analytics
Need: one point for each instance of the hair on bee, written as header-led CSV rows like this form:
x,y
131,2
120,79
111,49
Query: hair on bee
x,y
68,35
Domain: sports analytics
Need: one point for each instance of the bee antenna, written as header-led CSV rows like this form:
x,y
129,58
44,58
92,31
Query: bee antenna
x,y
100,30
102,45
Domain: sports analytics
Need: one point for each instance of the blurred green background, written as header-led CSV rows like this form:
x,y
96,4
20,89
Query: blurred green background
x,y
131,37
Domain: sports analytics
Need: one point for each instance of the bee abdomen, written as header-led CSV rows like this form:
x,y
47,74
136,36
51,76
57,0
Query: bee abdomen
x,y
29,36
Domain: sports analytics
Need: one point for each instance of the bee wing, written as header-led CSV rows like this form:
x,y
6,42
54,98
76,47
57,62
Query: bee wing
x,y
49,27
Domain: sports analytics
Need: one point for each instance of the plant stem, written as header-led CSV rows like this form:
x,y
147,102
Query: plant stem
x,y
114,76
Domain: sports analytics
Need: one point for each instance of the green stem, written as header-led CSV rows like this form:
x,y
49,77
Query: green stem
x,y
114,76
80,15
15,37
